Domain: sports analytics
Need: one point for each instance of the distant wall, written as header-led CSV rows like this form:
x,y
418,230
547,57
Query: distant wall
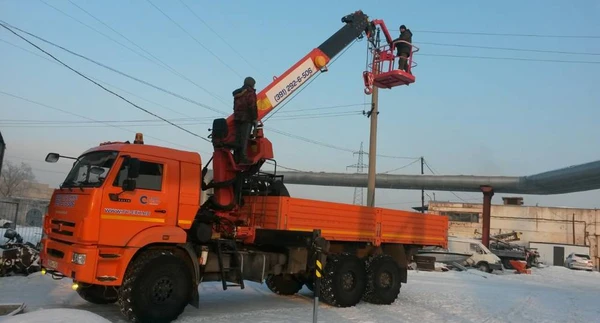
x,y
29,212
547,252
537,224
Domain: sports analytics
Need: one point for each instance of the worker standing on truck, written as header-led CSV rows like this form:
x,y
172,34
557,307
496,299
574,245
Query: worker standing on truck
x,y
404,49
245,115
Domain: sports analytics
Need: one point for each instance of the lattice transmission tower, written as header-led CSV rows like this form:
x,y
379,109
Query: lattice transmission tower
x,y
359,166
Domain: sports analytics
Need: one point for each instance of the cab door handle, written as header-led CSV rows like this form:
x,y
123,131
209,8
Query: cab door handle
x,y
160,211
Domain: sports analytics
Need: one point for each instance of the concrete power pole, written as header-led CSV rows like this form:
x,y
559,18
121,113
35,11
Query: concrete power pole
x,y
360,166
373,133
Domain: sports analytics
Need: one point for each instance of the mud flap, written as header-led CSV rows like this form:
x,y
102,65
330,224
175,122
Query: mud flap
x,y
195,300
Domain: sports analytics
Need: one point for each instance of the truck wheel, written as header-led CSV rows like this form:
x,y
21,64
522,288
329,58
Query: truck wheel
x,y
283,284
156,287
98,294
383,280
344,280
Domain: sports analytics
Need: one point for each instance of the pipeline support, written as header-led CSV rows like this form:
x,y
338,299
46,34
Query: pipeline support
x,y
488,192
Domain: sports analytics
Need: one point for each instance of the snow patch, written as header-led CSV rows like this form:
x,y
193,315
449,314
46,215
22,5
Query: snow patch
x,y
56,315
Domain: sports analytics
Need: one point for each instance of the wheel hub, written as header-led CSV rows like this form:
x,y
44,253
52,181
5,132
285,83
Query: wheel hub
x,y
162,290
348,281
385,280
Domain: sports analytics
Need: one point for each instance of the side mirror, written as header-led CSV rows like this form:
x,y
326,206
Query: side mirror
x,y
129,185
52,157
134,168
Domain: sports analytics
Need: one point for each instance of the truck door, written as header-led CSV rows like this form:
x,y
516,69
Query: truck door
x,y
152,203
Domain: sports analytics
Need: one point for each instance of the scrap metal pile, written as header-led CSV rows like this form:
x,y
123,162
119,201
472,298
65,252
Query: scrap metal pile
x,y
16,257
500,245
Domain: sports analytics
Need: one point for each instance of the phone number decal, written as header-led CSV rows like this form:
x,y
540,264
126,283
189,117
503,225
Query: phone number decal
x,y
290,83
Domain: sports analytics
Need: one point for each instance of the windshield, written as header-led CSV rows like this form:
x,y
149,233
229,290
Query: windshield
x,y
90,169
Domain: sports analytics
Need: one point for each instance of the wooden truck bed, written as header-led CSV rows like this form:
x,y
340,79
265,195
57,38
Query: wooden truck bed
x,y
347,222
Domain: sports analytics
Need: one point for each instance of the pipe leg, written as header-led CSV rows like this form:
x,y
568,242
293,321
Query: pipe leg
x,y
488,192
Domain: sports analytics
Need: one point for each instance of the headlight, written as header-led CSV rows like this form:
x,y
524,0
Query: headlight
x,y
78,258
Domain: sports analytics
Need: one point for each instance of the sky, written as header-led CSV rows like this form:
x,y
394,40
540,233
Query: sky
x,y
465,115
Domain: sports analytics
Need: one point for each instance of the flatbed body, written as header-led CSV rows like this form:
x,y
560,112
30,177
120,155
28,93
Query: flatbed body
x,y
347,222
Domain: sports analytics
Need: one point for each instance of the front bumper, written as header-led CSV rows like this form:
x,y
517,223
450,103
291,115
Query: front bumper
x,y
582,266
497,266
57,259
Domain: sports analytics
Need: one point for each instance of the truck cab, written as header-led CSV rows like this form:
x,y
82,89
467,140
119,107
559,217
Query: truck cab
x,y
117,198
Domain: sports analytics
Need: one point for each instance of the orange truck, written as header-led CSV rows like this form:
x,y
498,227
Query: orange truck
x,y
129,224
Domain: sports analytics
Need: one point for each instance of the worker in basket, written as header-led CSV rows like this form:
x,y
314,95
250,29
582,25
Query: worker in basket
x,y
245,115
403,49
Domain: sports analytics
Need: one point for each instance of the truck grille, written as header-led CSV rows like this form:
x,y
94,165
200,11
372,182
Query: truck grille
x,y
62,227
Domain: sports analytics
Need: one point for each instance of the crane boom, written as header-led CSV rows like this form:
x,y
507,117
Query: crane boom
x,y
229,177
310,65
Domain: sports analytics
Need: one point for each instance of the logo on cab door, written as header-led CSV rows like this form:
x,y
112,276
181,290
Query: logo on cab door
x,y
150,200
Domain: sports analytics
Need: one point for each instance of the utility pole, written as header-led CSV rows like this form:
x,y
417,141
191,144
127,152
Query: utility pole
x,y
360,166
2,148
422,190
373,135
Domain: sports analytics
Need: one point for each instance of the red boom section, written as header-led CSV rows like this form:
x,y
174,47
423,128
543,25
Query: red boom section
x,y
260,148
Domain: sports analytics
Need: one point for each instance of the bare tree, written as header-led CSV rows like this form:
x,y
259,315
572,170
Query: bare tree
x,y
16,179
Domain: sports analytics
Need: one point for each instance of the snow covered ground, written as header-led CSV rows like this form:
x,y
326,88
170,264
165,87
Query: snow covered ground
x,y
553,294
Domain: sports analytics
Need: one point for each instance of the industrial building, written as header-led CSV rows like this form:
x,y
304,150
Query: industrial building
x,y
566,229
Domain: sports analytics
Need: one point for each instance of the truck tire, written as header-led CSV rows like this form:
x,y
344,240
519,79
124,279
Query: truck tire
x,y
157,287
344,280
383,280
98,294
283,284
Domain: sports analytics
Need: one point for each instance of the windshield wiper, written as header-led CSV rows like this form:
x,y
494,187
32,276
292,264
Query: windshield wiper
x,y
64,184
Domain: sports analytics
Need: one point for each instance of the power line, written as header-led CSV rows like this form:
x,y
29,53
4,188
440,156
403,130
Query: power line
x,y
512,58
505,34
214,32
511,49
37,161
96,79
117,71
183,121
431,170
401,167
69,124
164,65
84,117
194,38
96,30
100,85
200,104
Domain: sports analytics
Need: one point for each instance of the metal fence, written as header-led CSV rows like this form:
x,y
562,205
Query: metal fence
x,y
25,219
